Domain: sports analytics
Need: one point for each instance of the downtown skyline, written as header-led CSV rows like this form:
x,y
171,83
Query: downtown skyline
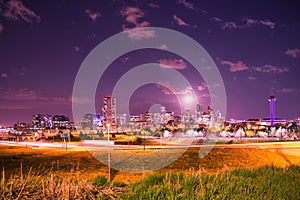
x,y
254,44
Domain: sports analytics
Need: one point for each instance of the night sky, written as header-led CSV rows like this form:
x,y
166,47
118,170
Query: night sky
x,y
255,45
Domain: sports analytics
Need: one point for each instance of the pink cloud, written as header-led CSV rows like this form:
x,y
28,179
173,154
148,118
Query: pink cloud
x,y
244,23
93,15
14,107
235,67
230,25
250,21
205,95
19,94
153,5
180,21
240,66
252,78
143,24
168,89
4,75
164,89
79,100
216,19
172,63
1,28
268,23
163,47
202,87
132,14
124,59
270,68
25,94
294,53
60,100
77,49
288,90
186,4
16,10
13,96
137,34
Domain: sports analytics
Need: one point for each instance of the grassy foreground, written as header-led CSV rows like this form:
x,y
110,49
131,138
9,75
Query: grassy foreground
x,y
262,183
225,173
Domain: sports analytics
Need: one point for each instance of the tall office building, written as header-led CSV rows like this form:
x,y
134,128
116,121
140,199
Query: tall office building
x,y
109,111
91,121
272,100
163,109
148,117
198,111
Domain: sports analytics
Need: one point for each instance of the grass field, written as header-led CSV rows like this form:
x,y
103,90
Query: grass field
x,y
224,173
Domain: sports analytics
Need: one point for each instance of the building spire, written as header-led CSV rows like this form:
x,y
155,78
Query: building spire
x,y
272,100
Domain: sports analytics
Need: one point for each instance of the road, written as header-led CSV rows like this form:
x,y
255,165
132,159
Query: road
x,y
286,147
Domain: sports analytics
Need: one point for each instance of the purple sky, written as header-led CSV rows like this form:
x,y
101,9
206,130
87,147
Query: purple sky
x,y
255,45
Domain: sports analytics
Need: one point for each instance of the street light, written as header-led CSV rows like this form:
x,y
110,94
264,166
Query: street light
x,y
143,131
108,125
108,153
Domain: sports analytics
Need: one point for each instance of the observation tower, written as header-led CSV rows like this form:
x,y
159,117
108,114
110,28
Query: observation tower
x,y
272,100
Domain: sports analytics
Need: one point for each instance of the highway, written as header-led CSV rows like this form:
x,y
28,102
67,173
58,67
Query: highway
x,y
286,147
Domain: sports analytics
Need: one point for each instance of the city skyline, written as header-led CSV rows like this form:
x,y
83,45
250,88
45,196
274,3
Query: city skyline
x,y
109,115
255,46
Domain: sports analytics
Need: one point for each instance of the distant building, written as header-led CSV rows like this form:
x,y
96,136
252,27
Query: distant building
x,y
91,121
169,116
177,119
264,122
60,121
272,122
198,111
22,126
109,111
156,118
121,119
297,121
135,118
205,119
148,117
162,109
186,117
41,121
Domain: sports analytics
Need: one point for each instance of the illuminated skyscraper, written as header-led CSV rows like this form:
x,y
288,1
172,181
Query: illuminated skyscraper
x,y
148,117
198,111
272,100
109,111
42,120
163,109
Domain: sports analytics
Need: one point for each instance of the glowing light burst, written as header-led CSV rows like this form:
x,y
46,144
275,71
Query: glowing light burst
x,y
188,99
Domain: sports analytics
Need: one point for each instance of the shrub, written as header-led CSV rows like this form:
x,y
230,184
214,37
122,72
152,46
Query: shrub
x,y
99,181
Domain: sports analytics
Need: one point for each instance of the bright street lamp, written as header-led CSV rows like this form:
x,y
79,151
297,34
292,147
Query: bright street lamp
x,y
108,153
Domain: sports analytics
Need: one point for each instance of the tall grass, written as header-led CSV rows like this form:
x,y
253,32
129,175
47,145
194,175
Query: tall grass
x,y
262,183
35,186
